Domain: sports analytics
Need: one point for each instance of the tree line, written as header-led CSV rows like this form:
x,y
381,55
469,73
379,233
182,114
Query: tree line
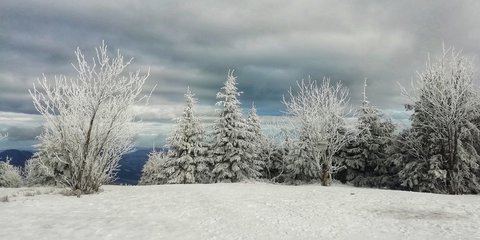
x,y
89,125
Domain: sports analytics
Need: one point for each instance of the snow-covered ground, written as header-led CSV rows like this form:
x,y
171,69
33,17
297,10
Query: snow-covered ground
x,y
238,211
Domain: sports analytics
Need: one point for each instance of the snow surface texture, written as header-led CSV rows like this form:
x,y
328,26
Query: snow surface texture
x,y
238,211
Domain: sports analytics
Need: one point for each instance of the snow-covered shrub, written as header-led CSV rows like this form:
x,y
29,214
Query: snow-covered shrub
x,y
231,149
41,170
89,119
153,172
443,140
10,176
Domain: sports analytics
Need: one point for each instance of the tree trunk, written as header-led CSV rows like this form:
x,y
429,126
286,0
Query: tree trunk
x,y
326,175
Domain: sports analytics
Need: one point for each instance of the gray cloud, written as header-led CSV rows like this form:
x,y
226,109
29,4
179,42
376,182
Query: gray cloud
x,y
22,134
271,44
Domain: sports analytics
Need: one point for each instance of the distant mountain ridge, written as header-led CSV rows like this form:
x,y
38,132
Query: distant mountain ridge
x,y
131,166
130,171
18,157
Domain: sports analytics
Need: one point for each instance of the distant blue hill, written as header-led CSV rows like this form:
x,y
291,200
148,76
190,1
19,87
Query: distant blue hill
x,y
131,164
18,157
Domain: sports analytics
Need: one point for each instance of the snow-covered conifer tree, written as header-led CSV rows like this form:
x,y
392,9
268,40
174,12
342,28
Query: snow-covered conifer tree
x,y
259,147
186,161
230,149
277,156
366,157
443,136
300,163
88,119
318,113
153,172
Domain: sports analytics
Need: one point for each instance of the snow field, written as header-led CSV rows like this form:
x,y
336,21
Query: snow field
x,y
239,211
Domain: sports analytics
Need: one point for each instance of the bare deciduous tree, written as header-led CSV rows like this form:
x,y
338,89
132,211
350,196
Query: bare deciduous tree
x,y
89,120
318,113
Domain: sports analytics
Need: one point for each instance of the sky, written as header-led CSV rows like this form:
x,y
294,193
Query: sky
x,y
270,44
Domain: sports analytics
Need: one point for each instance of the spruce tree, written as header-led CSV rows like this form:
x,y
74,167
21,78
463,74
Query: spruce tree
x,y
259,142
153,172
300,166
366,157
230,150
186,162
278,156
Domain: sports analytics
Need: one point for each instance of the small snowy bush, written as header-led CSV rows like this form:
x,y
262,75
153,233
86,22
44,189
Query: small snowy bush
x,y
154,170
40,171
10,176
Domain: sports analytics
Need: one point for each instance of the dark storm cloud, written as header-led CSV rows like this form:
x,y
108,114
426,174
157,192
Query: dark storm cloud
x,y
271,44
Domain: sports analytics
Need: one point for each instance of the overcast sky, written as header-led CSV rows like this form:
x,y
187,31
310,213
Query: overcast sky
x,y
270,44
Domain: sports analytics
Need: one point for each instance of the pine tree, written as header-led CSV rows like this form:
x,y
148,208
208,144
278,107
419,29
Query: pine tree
x,y
153,172
300,164
259,142
366,157
230,149
186,161
278,157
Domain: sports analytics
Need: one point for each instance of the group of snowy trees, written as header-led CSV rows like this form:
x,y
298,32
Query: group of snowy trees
x,y
232,156
438,153
89,125
441,149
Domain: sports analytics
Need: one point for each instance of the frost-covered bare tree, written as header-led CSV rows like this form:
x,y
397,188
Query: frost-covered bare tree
x,y
89,120
318,113
445,104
